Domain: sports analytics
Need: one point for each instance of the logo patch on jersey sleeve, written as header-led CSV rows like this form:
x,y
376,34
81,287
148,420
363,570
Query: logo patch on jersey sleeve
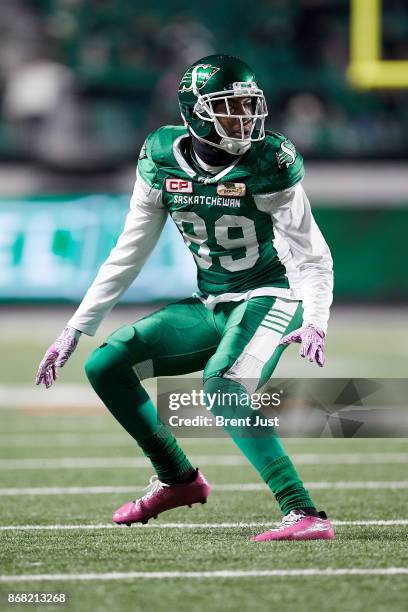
x,y
234,190
143,152
286,155
175,185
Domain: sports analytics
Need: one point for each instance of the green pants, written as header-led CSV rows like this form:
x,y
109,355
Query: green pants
x,y
238,340
237,346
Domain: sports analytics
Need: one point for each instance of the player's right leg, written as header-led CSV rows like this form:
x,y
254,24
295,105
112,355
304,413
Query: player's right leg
x,y
177,339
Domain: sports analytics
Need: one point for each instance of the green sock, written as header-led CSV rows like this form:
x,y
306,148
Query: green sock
x,y
260,445
284,482
166,456
114,380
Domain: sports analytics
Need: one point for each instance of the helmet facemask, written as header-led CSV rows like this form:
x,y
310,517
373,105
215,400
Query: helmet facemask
x,y
248,127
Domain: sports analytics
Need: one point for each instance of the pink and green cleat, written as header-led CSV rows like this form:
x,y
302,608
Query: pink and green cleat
x,y
161,497
299,526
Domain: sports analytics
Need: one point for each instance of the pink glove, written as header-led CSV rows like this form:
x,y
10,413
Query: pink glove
x,y
56,356
312,343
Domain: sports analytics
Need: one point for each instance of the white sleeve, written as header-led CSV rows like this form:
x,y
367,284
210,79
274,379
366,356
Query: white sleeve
x,y
140,234
292,217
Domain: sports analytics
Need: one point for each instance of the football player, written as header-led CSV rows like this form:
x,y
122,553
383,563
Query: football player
x,y
264,276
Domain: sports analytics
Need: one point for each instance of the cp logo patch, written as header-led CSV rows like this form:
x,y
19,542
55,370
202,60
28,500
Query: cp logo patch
x,y
175,185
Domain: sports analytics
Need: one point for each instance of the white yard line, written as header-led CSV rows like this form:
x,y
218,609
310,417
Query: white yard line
x,y
348,458
73,396
239,487
158,525
108,576
201,460
106,462
123,443
71,440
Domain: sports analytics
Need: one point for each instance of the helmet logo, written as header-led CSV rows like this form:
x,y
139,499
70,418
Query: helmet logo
x,y
197,78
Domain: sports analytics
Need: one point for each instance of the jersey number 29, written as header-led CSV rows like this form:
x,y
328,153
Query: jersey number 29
x,y
198,235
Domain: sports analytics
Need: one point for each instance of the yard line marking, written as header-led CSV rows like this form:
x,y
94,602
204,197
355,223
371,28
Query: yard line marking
x,y
105,462
210,460
73,440
92,526
68,490
344,571
230,487
339,484
349,458
74,396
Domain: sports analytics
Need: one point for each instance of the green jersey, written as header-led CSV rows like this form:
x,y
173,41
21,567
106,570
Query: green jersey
x,y
229,235
248,226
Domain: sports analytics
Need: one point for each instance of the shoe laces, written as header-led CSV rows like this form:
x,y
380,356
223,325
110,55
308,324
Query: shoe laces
x,y
153,487
290,519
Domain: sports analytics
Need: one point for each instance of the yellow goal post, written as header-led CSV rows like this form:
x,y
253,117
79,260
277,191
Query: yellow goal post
x,y
366,69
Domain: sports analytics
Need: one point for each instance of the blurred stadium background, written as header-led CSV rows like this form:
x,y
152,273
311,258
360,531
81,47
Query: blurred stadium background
x,y
81,84
83,81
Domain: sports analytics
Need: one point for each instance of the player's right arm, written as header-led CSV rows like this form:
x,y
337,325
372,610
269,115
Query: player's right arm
x,y
143,226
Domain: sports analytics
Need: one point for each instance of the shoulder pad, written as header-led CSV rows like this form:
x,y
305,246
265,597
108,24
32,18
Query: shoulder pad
x,y
157,150
159,144
279,160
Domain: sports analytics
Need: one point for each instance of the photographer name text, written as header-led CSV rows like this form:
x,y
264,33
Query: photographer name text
x,y
256,420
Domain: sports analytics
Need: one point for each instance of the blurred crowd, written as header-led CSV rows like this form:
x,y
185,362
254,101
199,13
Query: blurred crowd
x,y
83,81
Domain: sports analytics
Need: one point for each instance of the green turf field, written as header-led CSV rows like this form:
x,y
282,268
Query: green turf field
x,y
38,494
64,469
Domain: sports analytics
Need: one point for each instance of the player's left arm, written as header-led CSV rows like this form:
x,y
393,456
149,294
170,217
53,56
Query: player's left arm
x,y
293,219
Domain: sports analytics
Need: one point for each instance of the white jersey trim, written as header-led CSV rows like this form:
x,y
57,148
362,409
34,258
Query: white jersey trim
x,y
212,300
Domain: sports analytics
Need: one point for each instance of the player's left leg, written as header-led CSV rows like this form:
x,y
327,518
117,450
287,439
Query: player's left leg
x,y
245,359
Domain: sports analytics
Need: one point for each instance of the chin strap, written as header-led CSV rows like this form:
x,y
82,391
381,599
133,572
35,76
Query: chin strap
x,y
229,145
210,154
234,147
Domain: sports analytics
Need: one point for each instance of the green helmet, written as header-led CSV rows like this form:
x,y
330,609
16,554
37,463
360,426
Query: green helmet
x,y
224,78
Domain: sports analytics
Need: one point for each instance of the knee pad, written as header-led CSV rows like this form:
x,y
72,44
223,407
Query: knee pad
x,y
106,364
224,383
226,391
132,346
